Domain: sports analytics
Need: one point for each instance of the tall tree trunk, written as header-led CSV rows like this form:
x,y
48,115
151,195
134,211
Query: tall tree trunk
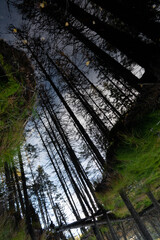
x,y
111,229
15,193
59,177
26,200
154,201
62,216
80,171
38,198
123,231
52,204
96,230
9,187
19,191
78,193
144,232
42,197
74,159
98,156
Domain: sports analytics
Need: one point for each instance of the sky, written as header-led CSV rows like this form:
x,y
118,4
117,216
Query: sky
x,y
8,15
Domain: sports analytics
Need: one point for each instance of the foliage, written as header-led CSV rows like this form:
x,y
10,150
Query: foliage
x,y
15,107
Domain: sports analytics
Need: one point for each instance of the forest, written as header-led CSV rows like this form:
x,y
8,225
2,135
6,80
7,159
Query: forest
x,y
80,120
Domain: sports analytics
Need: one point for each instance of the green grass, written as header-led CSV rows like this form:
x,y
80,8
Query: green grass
x,y
139,153
8,230
14,110
138,167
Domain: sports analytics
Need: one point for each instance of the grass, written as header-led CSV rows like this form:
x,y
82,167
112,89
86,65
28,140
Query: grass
x,y
15,107
5,229
138,168
8,230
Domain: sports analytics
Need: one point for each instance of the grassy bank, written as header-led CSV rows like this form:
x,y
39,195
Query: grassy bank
x,y
16,99
9,230
138,166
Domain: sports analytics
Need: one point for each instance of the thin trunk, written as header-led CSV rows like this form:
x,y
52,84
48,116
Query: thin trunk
x,y
96,230
59,177
154,201
15,191
42,196
108,236
123,231
26,200
144,232
9,187
62,216
66,168
96,157
111,229
75,160
52,205
38,198
19,191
